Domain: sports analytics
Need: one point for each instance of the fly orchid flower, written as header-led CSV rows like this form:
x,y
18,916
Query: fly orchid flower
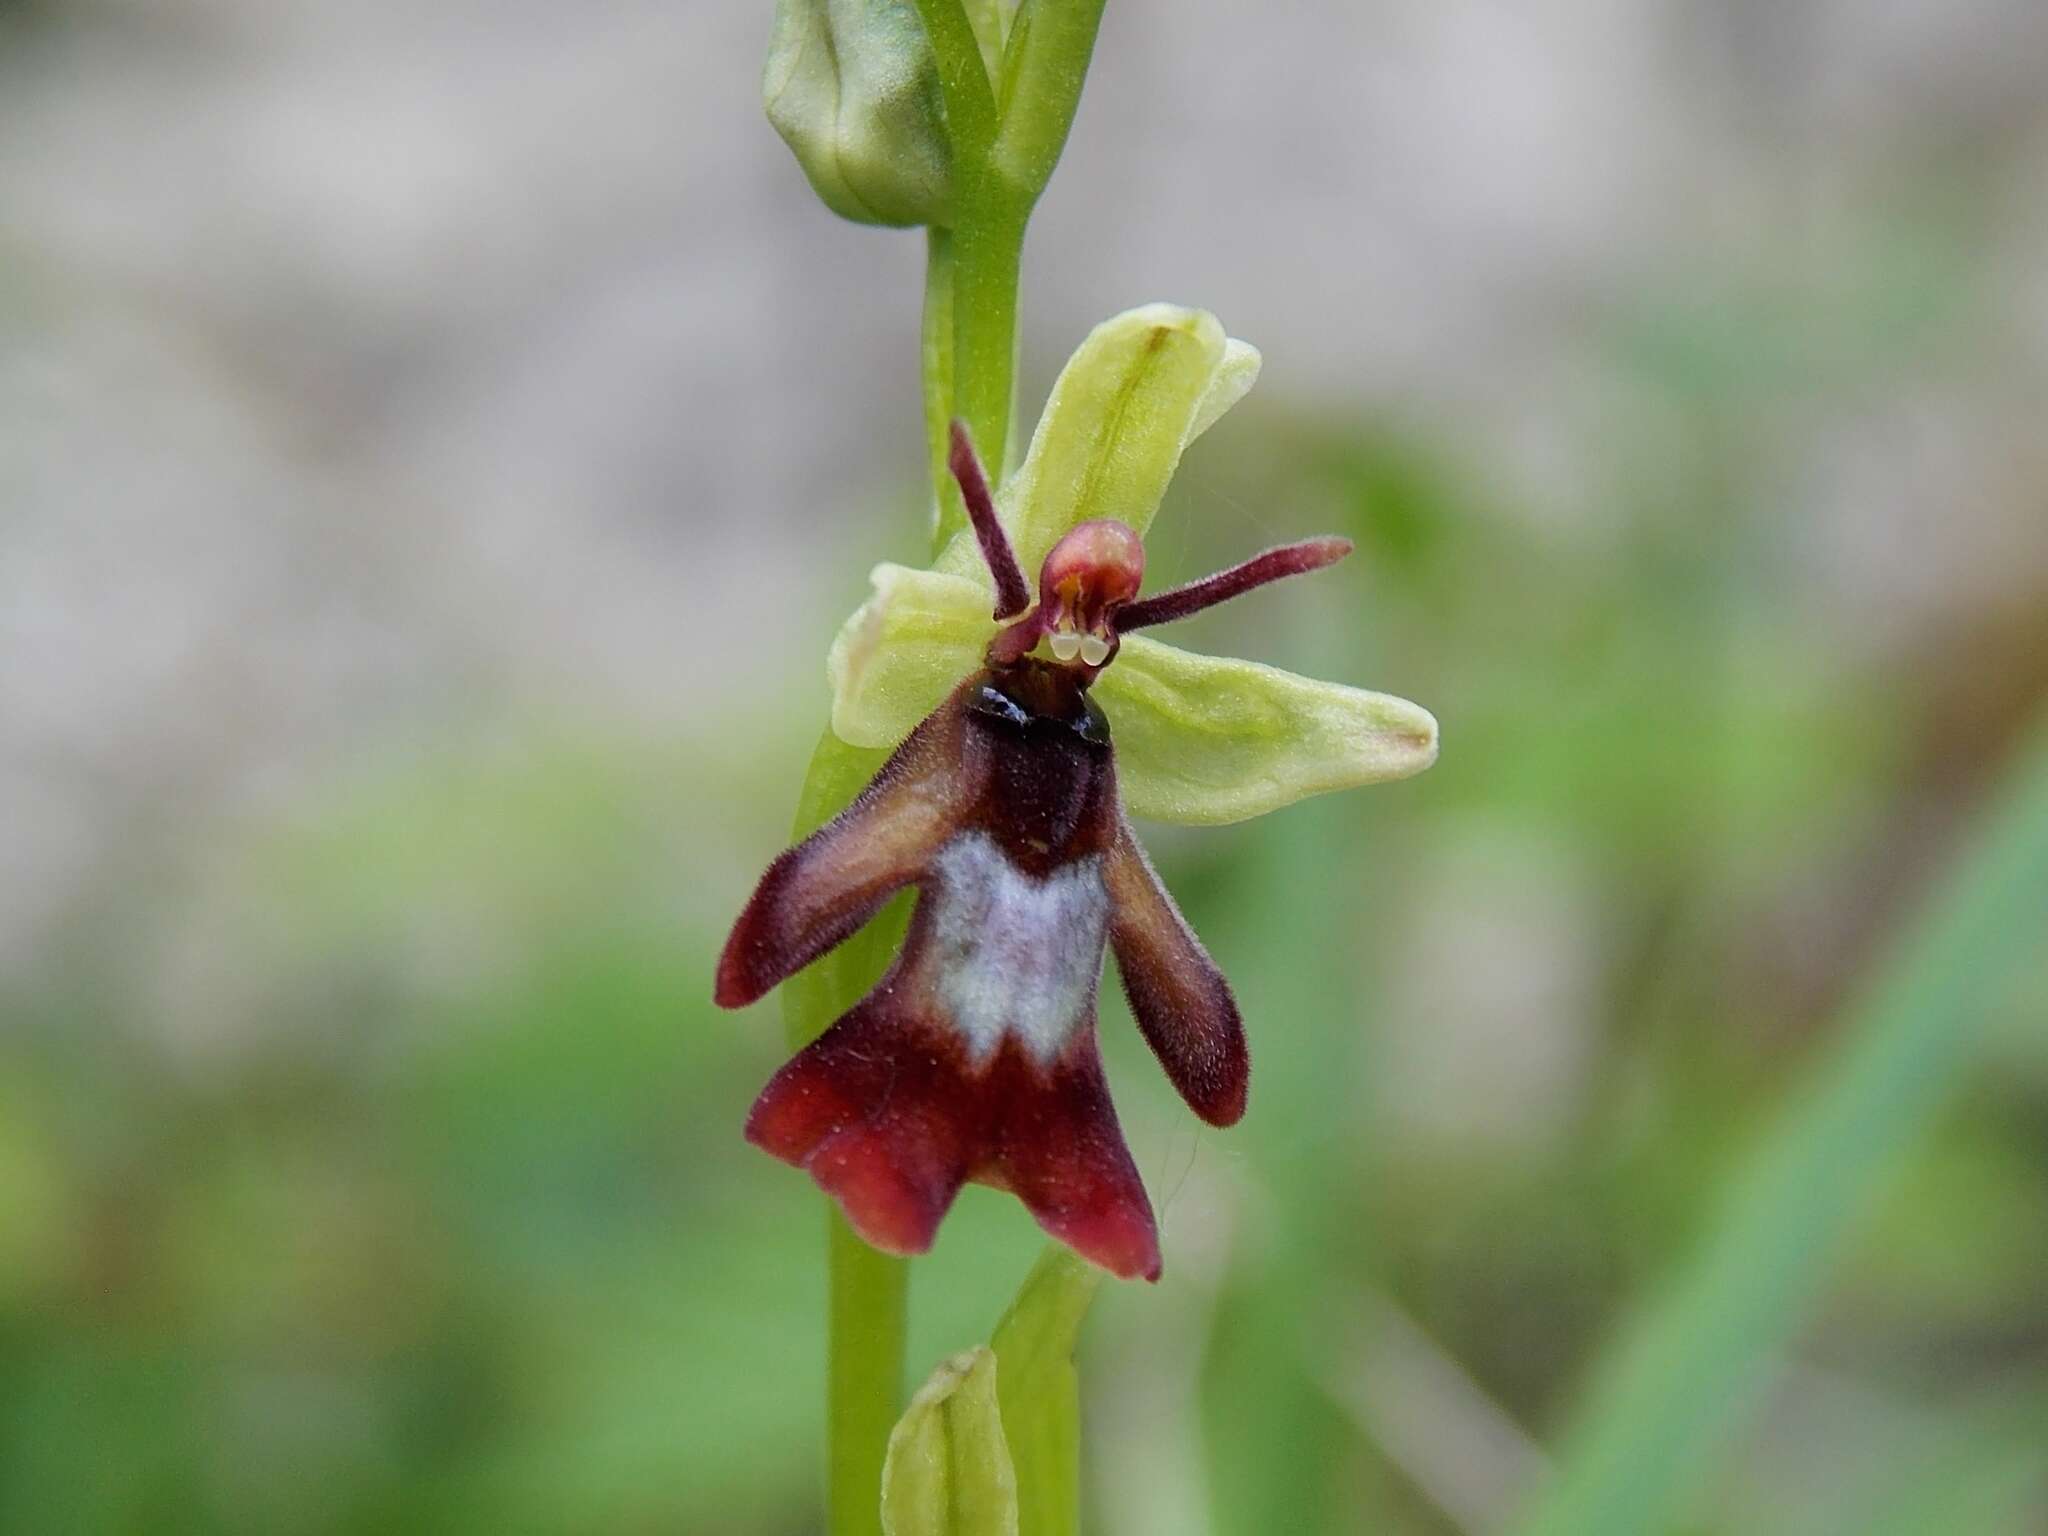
x,y
975,1057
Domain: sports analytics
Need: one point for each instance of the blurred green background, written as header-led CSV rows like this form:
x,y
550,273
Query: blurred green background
x,y
437,443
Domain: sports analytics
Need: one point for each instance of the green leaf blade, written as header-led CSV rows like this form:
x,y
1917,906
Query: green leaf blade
x,y
1668,1393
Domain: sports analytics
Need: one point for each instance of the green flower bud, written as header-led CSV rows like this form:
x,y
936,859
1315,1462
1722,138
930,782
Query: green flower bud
x,y
853,88
948,1471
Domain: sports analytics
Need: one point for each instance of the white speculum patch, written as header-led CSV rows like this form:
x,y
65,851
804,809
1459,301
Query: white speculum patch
x,y
1013,954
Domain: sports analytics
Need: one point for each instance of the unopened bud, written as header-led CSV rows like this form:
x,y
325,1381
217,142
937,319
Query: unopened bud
x,y
948,1470
853,88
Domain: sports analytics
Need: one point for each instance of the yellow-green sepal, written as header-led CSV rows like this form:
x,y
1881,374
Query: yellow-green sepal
x,y
1236,372
1199,739
1211,739
1142,387
910,644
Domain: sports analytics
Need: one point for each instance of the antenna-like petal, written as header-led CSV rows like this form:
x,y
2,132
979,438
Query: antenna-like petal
x,y
1179,602
1013,595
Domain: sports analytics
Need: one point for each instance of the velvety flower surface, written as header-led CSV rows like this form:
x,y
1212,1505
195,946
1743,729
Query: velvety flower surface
x,y
975,1057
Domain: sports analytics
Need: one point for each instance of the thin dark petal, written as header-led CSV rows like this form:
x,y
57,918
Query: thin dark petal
x,y
1181,1001
1179,602
1013,593
822,891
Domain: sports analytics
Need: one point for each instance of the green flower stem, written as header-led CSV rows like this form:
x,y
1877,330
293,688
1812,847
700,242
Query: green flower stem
x,y
988,247
1001,161
969,349
937,369
869,1291
870,1314
1004,147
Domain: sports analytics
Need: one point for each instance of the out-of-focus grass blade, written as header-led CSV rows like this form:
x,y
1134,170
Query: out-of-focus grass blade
x,y
1989,1477
1661,1402
1280,1454
1040,1391
1879,1464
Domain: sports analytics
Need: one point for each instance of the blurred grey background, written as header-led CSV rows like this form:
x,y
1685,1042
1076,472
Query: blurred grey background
x,y
373,373
437,442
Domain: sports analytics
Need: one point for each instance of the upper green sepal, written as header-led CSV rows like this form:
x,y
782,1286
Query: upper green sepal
x,y
853,88
1138,390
